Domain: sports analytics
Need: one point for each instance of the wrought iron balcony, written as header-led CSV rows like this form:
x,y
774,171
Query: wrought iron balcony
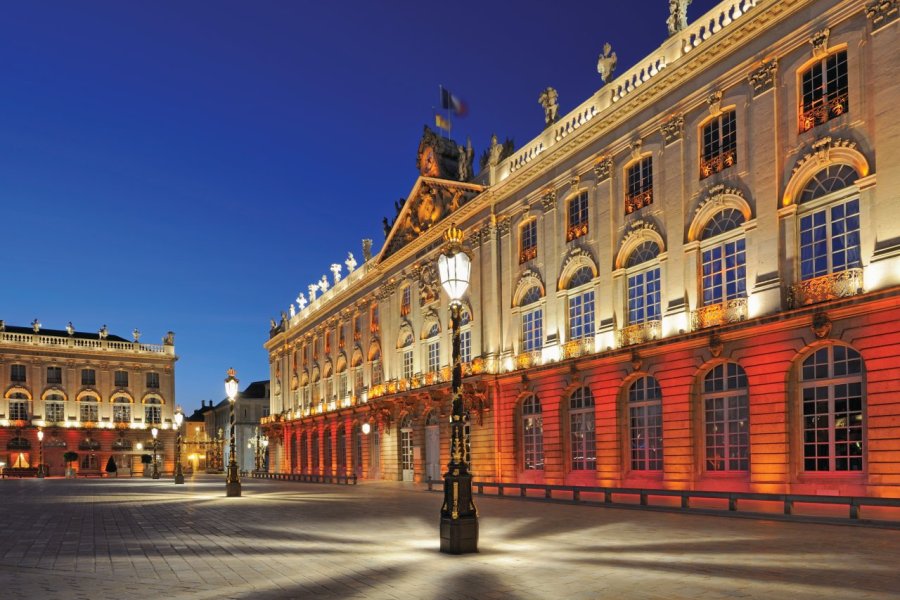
x,y
729,311
527,254
827,287
576,231
715,164
640,333
528,359
576,348
823,112
638,201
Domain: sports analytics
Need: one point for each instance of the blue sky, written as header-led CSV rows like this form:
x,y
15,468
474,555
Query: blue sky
x,y
193,165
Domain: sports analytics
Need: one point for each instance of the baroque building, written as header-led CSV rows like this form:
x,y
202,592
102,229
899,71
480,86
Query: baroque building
x,y
690,281
96,394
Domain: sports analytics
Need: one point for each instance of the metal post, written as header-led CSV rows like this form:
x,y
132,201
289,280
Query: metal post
x,y
155,459
232,479
179,473
41,457
459,517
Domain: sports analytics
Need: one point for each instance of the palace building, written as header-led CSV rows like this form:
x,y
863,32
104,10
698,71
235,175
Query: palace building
x,y
96,394
690,281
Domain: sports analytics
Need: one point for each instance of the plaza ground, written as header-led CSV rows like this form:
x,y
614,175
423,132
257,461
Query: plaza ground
x,y
138,538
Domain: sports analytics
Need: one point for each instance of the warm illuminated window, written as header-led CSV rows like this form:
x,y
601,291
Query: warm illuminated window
x,y
577,217
831,383
528,241
581,305
434,356
89,409
719,144
829,223
532,321
121,410
407,372
374,320
824,91
153,411
727,418
406,300
54,409
723,257
357,327
532,434
342,385
18,407
643,284
645,424
581,430
639,179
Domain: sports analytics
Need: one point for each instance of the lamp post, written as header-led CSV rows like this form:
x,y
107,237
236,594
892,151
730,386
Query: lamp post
x,y
155,432
232,478
179,419
459,517
40,435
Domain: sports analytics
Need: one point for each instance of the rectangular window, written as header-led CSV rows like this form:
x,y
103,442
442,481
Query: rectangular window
x,y
727,434
55,412
358,380
581,316
407,364
643,297
88,412
583,448
375,324
153,380
342,385
54,375
645,424
724,272
17,373
577,217
377,374
465,346
533,330
829,240
121,378
152,414
434,356
639,178
719,145
122,413
18,410
357,327
406,301
824,91
88,377
528,241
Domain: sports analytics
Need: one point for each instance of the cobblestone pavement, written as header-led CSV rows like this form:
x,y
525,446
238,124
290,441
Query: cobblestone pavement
x,y
136,538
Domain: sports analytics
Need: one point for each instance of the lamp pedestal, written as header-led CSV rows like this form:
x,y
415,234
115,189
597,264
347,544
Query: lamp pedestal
x,y
232,478
179,473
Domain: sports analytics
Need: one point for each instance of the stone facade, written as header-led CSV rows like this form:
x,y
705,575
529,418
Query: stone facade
x,y
95,394
689,281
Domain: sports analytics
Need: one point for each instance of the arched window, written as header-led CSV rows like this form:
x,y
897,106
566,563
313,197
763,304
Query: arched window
x,y
152,411
405,343
724,258
643,284
314,444
829,223
326,451
304,453
18,406
726,418
831,382
343,388
645,424
532,434
581,304
581,430
532,320
121,409
341,452
376,372
54,408
824,91
89,408
432,346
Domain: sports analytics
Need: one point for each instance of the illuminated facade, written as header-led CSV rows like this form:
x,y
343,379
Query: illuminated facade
x,y
689,281
95,394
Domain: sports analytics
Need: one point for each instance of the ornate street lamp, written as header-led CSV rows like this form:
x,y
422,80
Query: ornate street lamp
x,y
40,435
179,419
155,432
459,517
232,478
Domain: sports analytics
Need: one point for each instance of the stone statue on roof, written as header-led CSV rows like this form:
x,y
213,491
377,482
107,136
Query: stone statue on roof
x,y
367,249
350,262
677,15
104,332
606,64
136,334
70,329
301,301
292,311
548,99
313,288
495,152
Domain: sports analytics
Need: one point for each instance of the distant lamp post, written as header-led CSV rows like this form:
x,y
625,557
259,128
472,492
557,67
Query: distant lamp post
x,y
40,435
232,478
259,445
459,517
179,419
155,432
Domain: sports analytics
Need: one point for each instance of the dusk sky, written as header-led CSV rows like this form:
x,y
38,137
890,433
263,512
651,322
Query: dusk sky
x,y
191,166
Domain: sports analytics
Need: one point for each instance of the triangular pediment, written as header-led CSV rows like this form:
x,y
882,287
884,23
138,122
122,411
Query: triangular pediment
x,y
431,201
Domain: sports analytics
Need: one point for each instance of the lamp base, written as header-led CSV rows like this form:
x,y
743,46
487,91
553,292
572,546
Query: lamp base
x,y
155,475
459,536
232,489
179,478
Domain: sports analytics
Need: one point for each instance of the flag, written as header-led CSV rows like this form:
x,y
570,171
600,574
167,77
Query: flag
x,y
442,122
451,102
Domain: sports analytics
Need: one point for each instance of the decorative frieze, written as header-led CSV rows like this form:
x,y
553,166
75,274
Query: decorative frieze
x,y
882,12
763,79
672,129
716,195
821,151
714,102
503,226
548,201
